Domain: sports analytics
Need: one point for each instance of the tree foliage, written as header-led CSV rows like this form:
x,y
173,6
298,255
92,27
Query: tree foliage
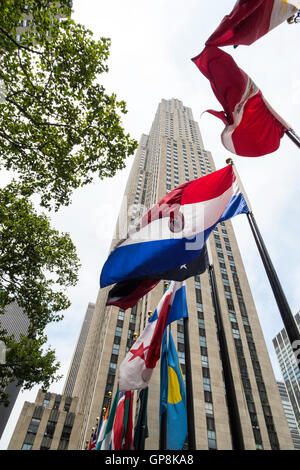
x,y
27,363
37,264
58,126
59,129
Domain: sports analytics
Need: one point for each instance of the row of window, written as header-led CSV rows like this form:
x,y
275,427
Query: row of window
x,y
49,430
209,410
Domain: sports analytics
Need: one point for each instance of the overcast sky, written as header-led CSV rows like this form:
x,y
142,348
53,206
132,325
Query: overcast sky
x,y
152,44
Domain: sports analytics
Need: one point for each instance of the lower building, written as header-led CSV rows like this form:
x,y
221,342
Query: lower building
x,y
52,422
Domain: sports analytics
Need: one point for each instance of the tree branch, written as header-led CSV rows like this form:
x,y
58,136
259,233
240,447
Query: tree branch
x,y
19,46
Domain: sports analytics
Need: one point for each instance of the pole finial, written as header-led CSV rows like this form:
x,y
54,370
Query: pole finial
x,y
229,161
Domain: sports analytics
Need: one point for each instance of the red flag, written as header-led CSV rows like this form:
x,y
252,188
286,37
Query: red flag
x,y
122,434
250,20
127,293
253,128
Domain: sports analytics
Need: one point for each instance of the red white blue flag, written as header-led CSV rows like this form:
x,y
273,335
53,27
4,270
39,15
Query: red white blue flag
x,y
252,127
250,20
173,233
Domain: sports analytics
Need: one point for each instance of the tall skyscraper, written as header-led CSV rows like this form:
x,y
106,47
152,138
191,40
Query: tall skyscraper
x,y
77,356
289,368
289,413
16,323
171,154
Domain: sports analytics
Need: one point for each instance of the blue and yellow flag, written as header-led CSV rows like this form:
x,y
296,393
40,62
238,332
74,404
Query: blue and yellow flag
x,y
172,395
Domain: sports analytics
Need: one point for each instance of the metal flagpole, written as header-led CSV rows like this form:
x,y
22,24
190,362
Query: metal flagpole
x,y
293,136
232,404
163,431
282,303
189,387
164,416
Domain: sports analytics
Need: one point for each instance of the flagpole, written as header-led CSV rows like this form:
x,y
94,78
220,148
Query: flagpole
x,y
163,431
232,405
282,303
189,387
164,415
293,136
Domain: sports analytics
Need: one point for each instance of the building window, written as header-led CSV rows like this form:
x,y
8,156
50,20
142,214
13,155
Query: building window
x,y
33,426
50,428
121,315
26,447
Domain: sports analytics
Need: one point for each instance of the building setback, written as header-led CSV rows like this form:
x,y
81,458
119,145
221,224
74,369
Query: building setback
x,y
171,154
51,423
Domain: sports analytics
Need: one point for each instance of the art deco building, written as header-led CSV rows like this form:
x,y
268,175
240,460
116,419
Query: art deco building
x,y
51,423
171,154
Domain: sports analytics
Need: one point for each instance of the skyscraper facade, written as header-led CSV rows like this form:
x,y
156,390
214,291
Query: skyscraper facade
x,y
52,422
289,368
171,154
77,356
289,413
16,323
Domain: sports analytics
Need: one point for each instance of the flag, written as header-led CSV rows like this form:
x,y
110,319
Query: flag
x,y
93,441
253,128
122,432
107,438
136,369
102,429
126,294
141,427
172,395
173,233
250,20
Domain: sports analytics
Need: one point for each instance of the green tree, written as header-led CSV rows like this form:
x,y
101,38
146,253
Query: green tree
x,y
59,129
58,126
27,363
37,264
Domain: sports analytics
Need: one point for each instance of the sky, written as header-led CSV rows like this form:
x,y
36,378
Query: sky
x,y
150,59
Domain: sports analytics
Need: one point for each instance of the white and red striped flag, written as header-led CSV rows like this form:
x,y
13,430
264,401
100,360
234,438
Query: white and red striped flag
x,y
253,128
122,432
250,20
